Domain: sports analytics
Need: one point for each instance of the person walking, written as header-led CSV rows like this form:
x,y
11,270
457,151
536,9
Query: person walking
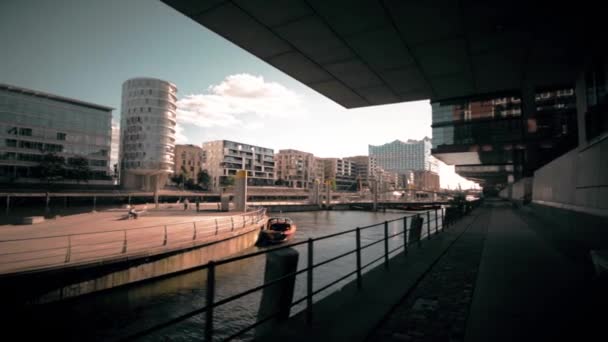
x,y
186,203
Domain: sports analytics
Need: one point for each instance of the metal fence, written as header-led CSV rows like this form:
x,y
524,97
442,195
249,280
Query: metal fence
x,y
411,233
69,249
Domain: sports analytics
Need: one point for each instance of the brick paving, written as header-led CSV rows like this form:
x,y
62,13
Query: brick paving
x,y
437,308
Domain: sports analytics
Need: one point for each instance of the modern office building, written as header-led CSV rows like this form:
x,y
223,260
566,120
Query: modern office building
x,y
341,172
147,136
188,161
491,142
295,168
401,156
223,158
34,123
365,170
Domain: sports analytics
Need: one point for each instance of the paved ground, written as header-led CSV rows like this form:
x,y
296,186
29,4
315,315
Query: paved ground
x,y
100,235
436,310
505,279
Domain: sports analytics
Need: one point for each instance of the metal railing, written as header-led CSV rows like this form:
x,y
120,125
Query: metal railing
x,y
80,248
427,229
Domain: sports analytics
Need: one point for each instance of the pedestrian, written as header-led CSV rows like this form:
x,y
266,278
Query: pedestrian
x,y
198,203
186,202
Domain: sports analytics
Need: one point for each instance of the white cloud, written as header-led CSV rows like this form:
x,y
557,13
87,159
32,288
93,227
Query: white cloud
x,y
237,101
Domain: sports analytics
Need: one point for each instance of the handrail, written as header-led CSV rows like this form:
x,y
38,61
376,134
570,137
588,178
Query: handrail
x,y
439,226
79,248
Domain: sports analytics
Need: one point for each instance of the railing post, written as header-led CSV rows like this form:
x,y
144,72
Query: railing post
x,y
386,245
165,239
428,224
194,230
68,252
309,282
232,222
210,297
442,218
124,242
436,221
216,227
359,284
405,236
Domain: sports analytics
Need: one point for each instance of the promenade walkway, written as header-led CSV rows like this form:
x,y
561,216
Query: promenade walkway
x,y
99,236
510,277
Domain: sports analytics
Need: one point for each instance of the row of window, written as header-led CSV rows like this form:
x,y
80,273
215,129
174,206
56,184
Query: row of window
x,y
33,145
39,157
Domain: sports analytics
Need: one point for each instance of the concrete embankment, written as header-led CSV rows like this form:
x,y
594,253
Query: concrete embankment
x,y
51,285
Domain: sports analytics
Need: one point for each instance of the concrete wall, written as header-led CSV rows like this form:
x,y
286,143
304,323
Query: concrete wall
x,y
578,180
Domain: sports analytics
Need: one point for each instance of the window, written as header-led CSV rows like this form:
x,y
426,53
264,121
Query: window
x,y
11,142
25,131
61,136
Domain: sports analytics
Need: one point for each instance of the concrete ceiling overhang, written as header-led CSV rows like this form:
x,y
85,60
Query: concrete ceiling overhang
x,y
372,52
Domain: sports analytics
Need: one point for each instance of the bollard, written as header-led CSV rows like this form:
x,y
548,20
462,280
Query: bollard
x,y
210,297
358,243
405,236
165,239
124,244
386,264
309,275
415,232
277,297
428,225
194,230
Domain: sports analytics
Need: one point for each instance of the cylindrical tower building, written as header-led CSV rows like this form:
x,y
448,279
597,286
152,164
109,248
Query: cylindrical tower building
x,y
147,137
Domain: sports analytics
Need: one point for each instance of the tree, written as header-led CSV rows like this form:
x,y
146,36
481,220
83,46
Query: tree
x,y
227,181
52,168
79,169
280,182
181,178
203,179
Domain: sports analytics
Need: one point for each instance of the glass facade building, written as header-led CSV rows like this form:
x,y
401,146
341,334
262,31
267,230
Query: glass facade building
x,y
34,123
493,132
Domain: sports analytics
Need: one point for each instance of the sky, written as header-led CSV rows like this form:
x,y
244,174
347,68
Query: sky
x,y
86,49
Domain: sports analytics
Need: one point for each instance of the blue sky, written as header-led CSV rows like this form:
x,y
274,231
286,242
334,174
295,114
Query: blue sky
x,y
86,49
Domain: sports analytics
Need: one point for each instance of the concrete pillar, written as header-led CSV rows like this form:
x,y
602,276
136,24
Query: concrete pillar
x,y
47,203
240,191
277,297
156,187
375,194
8,204
315,193
581,108
328,195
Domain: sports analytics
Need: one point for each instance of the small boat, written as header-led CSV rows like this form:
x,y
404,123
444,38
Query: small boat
x,y
277,230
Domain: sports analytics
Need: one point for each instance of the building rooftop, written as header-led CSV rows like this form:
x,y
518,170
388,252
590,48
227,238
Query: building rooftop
x,y
36,93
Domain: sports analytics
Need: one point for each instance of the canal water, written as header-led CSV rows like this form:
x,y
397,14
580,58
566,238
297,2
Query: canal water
x,y
117,313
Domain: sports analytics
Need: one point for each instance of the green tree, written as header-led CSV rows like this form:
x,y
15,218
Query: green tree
x,y
181,178
227,181
280,182
52,168
79,169
203,179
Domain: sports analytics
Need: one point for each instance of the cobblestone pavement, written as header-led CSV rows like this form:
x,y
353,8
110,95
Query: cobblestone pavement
x,y
437,308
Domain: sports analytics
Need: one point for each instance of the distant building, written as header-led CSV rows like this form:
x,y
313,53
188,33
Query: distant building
x,y
188,161
319,170
399,156
33,124
223,158
342,172
296,168
147,136
365,170
387,180
426,180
